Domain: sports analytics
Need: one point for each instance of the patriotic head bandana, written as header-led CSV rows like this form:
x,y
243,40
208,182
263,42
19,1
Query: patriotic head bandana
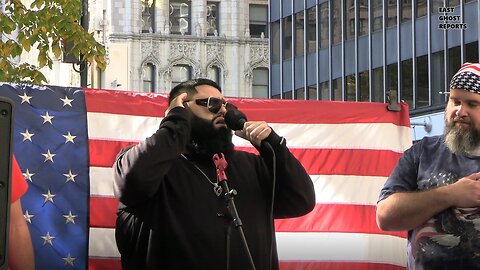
x,y
467,78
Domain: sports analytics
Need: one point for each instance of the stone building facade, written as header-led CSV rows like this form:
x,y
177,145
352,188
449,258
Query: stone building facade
x,y
153,45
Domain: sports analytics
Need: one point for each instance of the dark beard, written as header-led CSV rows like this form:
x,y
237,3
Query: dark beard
x,y
207,141
459,139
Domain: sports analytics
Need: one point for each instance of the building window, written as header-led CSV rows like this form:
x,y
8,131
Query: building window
x,y
181,73
336,21
258,20
407,82
422,98
377,85
212,18
392,77
337,89
323,31
438,72
324,91
214,74
312,92
350,13
275,40
299,29
421,8
377,8
311,29
351,94
452,3
406,10
180,17
300,94
363,18
454,61
363,86
148,17
287,38
148,78
260,83
391,13
471,52
435,5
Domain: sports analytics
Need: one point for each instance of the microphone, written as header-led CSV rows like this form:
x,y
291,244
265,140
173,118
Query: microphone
x,y
235,119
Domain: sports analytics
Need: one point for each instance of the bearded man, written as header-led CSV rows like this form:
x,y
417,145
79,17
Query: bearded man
x,y
434,192
173,211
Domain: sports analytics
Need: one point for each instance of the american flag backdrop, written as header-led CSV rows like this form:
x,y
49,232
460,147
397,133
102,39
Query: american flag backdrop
x,y
66,139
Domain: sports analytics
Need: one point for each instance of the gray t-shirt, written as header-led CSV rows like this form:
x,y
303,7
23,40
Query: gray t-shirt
x,y
450,239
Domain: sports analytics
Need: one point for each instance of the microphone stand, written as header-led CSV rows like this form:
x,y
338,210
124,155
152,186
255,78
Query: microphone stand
x,y
221,165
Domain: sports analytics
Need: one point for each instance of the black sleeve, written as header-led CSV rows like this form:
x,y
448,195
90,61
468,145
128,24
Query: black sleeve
x,y
139,170
294,191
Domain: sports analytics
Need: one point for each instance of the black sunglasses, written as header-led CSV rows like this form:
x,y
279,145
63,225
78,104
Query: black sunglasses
x,y
214,104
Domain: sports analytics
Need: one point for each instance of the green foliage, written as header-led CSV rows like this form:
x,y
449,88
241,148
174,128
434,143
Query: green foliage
x,y
46,25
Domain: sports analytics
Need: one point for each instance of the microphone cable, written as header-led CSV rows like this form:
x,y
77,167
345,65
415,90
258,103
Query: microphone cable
x,y
271,220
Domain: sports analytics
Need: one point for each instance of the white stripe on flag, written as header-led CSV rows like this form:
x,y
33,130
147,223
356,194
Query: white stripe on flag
x,y
101,182
102,243
299,247
346,247
375,136
342,189
347,189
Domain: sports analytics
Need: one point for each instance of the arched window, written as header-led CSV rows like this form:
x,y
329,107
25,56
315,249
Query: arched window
x,y
181,73
214,74
180,17
148,77
148,17
212,18
260,83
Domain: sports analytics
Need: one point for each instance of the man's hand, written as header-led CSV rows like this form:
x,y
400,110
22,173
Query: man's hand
x,y
255,132
178,101
466,191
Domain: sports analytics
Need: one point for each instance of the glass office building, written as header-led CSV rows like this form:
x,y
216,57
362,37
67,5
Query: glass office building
x,y
358,50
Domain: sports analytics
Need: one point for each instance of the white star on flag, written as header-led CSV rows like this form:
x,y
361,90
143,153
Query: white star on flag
x,y
47,239
28,217
48,197
70,218
66,101
28,175
48,156
69,260
25,98
69,138
47,118
70,176
27,135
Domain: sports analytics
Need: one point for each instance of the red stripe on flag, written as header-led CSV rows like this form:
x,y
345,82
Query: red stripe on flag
x,y
324,218
125,102
103,153
103,212
345,218
115,264
309,265
103,264
270,110
315,161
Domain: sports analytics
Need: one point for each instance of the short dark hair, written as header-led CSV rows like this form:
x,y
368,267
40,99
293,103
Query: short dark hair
x,y
189,87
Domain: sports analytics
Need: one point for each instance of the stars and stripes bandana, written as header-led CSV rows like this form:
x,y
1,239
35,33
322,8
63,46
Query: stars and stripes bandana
x,y
467,78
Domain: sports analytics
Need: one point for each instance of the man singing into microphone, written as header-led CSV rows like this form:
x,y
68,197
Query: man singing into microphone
x,y
172,212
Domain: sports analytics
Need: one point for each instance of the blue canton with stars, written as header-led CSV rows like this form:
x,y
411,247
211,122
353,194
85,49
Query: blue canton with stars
x,y
51,147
